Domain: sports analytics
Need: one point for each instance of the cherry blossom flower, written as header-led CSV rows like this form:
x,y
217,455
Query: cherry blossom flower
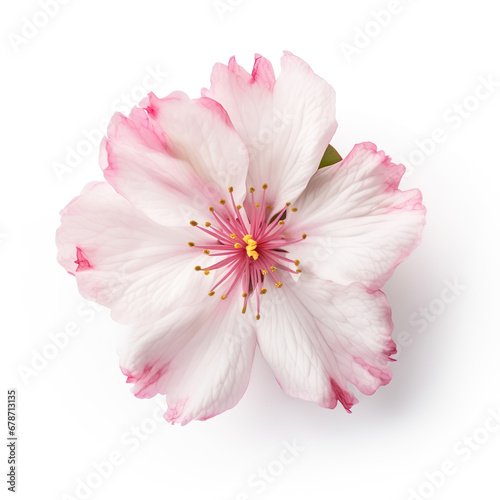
x,y
216,231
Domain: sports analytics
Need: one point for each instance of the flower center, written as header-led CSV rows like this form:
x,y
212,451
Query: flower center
x,y
248,243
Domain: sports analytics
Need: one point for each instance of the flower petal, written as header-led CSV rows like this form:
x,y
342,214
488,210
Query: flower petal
x,y
318,336
174,158
124,260
359,225
200,359
286,124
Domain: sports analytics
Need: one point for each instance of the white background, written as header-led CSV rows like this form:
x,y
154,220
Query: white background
x,y
412,76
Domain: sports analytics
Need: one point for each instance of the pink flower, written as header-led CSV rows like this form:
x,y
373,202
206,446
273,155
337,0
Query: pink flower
x,y
212,207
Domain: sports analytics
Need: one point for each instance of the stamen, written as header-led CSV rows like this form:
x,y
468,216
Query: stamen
x,y
206,252
258,316
224,297
238,220
191,244
278,285
216,234
230,189
193,223
297,262
252,190
197,268
222,201
212,293
207,224
293,209
304,236
264,186
225,225
263,291
223,263
271,227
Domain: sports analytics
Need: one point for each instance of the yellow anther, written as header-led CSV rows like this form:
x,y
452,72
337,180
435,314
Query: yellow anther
x,y
230,189
253,254
211,209
208,224
258,316
193,223
232,236
252,190
206,273
237,245
191,244
304,236
278,285
244,310
298,271
264,272
264,186
293,209
197,268
257,205
287,203
224,297
263,291
270,207
238,207
251,246
244,294
273,269
222,201
281,222
297,262
212,293
206,252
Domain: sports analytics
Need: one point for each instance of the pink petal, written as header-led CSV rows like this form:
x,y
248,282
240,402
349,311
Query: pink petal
x,y
359,225
174,158
318,337
124,260
201,359
286,124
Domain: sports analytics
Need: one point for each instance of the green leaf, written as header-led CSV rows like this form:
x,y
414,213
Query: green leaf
x,y
330,157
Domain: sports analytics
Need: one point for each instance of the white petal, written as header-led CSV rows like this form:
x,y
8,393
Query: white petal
x,y
318,337
124,260
359,226
286,124
175,158
201,359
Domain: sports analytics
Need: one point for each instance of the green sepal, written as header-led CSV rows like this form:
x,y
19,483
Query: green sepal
x,y
330,157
